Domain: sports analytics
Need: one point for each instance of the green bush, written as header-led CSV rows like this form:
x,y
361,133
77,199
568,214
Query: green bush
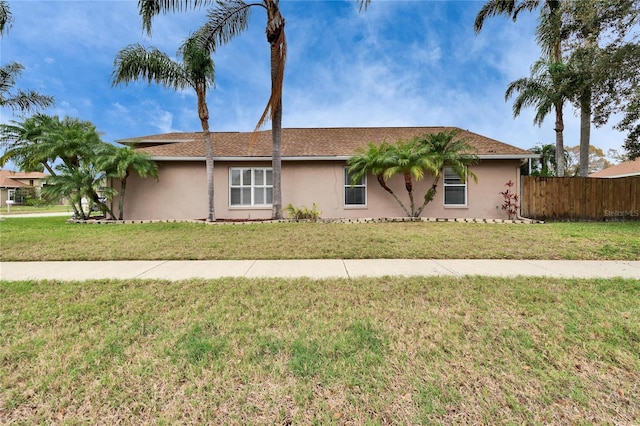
x,y
303,213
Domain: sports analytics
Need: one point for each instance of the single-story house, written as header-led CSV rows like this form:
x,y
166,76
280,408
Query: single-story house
x,y
11,184
624,169
314,170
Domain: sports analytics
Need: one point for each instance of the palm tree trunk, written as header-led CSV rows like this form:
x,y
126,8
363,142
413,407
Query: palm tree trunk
x,y
211,216
123,188
559,128
49,169
203,113
383,184
428,197
276,39
276,162
585,131
408,185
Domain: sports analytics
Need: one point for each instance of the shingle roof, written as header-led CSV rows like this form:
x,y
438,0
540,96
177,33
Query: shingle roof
x,y
7,178
310,142
628,168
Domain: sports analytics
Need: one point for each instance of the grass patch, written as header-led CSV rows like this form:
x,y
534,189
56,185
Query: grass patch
x,y
18,209
53,239
365,351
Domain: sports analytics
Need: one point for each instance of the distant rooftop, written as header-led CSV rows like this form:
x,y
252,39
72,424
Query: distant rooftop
x,y
628,168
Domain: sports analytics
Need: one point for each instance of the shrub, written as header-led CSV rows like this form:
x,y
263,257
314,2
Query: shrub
x,y
302,213
510,203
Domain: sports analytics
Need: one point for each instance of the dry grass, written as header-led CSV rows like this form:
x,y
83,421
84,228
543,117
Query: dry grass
x,y
54,239
384,351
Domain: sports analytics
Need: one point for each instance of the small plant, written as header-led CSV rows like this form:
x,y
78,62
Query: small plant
x,y
301,213
510,203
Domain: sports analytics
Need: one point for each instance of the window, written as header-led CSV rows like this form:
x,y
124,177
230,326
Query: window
x,y
455,189
355,194
11,195
251,187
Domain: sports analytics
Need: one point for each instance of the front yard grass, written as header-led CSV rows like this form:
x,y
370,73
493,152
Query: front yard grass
x,y
366,351
49,208
52,238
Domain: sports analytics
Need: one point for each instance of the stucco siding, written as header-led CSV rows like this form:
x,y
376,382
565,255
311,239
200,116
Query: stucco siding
x,y
180,192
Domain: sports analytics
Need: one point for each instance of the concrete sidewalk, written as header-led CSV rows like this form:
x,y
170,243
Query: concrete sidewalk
x,y
315,269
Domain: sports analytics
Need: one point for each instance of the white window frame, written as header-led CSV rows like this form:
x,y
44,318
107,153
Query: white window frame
x,y
11,194
251,185
460,184
347,185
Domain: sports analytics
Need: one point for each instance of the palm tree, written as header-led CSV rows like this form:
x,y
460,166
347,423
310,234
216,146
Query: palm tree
x,y
76,184
545,91
22,143
45,140
547,159
549,38
225,21
373,160
409,160
118,164
135,62
445,149
413,159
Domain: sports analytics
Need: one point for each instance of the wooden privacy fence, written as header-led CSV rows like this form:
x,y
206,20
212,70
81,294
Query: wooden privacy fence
x,y
581,198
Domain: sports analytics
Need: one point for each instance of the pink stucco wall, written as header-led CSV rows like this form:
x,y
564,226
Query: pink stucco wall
x,y
180,192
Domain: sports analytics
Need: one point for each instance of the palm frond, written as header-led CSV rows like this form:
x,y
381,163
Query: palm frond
x,y
23,101
363,4
224,22
197,62
149,9
493,8
135,62
6,18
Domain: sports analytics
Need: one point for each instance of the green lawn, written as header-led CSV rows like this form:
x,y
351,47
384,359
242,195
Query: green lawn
x,y
472,350
54,239
18,209
374,351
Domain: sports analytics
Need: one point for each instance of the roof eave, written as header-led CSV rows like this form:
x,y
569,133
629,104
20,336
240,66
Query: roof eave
x,y
508,156
236,159
327,158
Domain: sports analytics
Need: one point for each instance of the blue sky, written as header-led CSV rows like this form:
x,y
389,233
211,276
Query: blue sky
x,y
400,63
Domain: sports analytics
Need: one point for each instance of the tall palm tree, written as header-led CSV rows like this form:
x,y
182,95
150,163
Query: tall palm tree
x,y
135,62
118,164
225,21
545,90
549,38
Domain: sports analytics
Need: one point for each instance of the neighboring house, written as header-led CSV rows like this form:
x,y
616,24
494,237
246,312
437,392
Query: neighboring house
x,y
314,170
627,168
15,185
